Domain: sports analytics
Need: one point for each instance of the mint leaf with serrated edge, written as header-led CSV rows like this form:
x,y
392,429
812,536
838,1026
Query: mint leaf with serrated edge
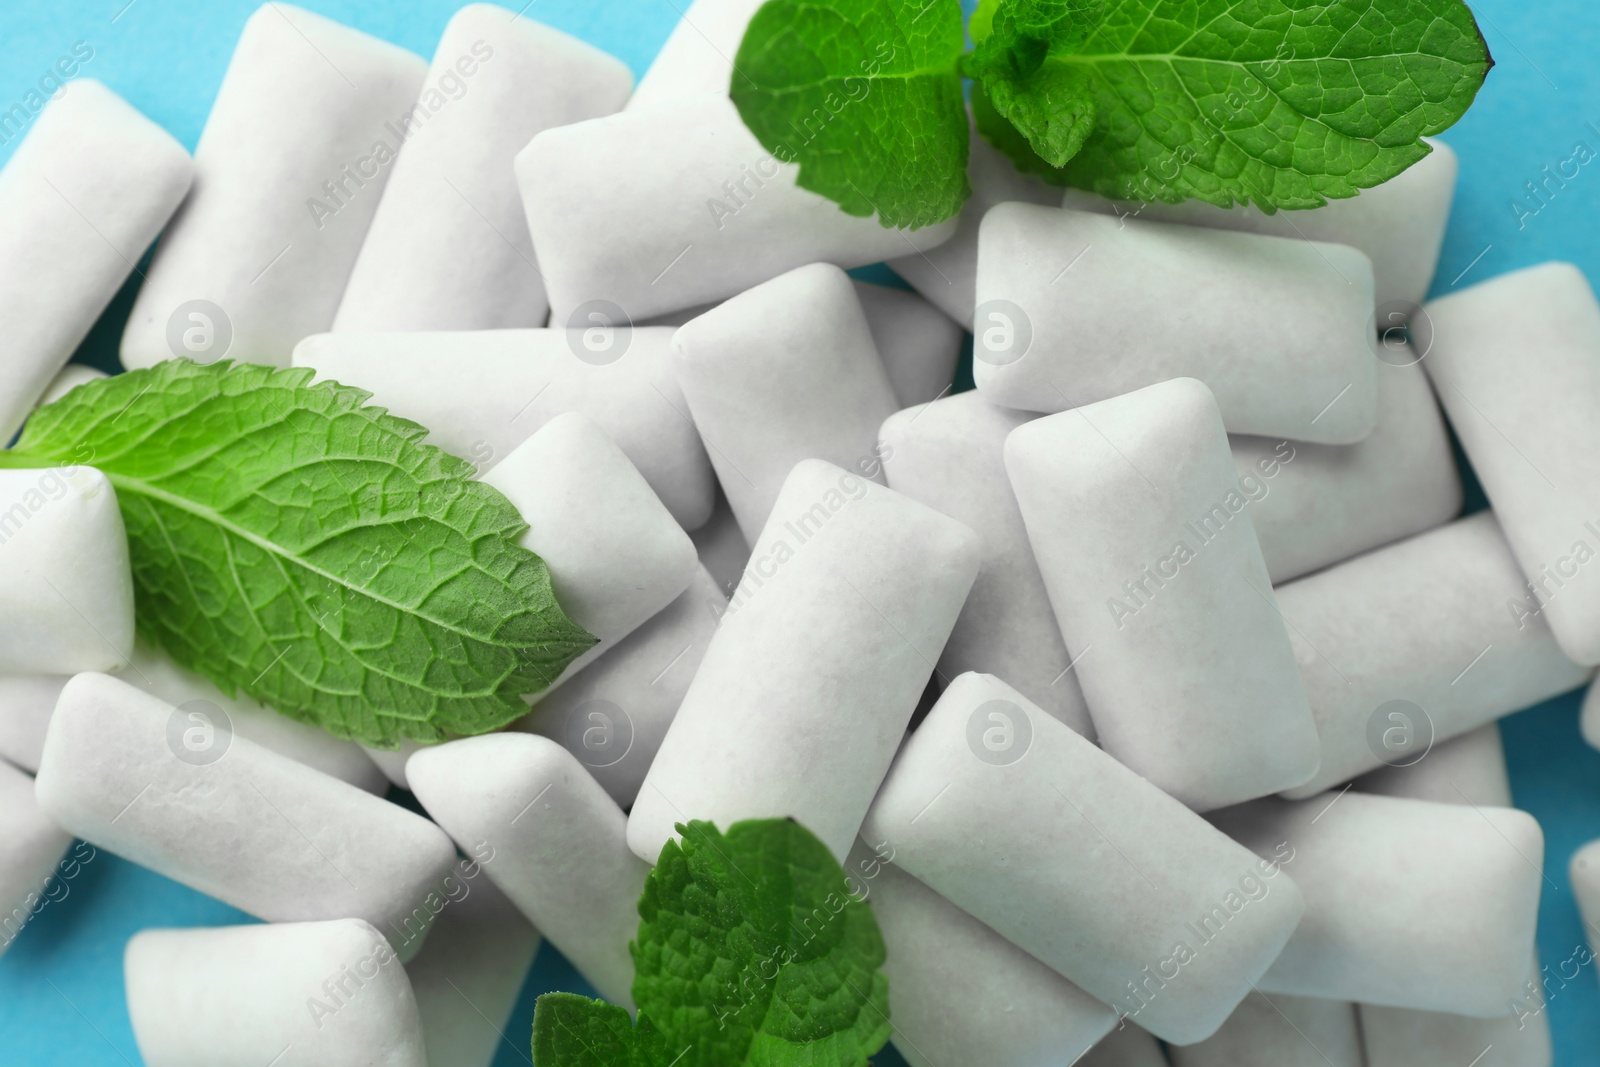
x,y
1279,103
865,96
752,951
292,542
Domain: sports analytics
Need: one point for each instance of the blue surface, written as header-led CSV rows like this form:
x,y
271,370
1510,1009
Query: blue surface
x,y
61,996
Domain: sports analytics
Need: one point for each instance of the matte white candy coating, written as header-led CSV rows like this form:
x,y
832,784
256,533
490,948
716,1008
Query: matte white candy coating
x,y
1280,1031
698,56
1399,224
26,702
155,672
1584,871
469,973
1076,307
31,845
918,343
290,168
784,372
1326,503
553,841
1396,1037
482,393
70,377
949,456
615,554
1516,363
1408,903
613,714
309,993
66,588
133,775
83,196
718,215
1126,1046
722,548
948,275
1141,527
449,248
1467,769
1589,718
1073,857
959,993
1416,638
811,680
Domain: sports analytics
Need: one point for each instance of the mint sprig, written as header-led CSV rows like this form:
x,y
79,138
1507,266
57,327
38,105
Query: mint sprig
x,y
751,951
292,542
1270,102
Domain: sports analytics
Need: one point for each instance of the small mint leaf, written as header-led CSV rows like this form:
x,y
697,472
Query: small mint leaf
x,y
752,951
865,96
289,541
574,1031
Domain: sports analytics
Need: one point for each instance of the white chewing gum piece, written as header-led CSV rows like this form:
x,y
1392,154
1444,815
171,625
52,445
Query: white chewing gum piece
x,y
133,775
470,972
31,845
482,393
1415,642
1074,858
1516,364
616,555
289,171
448,248
1075,308
1399,225
306,993
950,456
83,197
658,246
549,837
959,993
784,372
698,56
1280,1031
66,585
820,660
1126,1046
918,343
1410,904
1584,873
1143,535
948,275
722,548
26,702
613,714
1467,769
1588,718
1327,503
1396,1037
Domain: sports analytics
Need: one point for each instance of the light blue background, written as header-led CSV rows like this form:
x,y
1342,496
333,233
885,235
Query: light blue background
x,y
61,996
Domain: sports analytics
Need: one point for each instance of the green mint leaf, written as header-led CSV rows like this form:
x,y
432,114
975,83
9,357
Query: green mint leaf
x,y
752,951
1051,104
574,1031
289,541
865,96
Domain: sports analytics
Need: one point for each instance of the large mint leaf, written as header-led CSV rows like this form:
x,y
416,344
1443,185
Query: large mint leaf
x,y
1280,103
865,96
751,951
1052,105
289,541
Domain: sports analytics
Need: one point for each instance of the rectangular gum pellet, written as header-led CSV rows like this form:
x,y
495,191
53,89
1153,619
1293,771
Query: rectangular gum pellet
x,y
31,846
1466,769
1106,879
1139,523
85,194
1075,308
1399,224
1450,657
174,790
1396,1037
959,993
1409,903
1516,364
721,215
785,371
289,170
949,455
1321,504
481,393
1280,1031
448,248
811,679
